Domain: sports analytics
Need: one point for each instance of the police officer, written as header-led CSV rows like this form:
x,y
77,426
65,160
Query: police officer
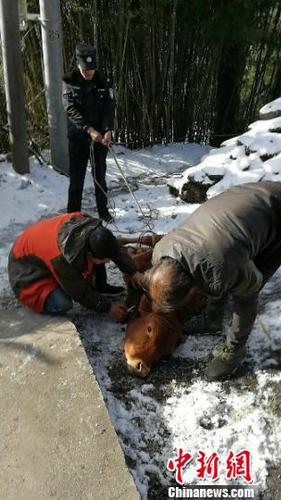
x,y
90,110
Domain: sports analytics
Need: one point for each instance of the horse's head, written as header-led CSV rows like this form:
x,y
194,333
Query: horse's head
x,y
149,337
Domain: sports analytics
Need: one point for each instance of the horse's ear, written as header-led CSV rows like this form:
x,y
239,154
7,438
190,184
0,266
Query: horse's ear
x,y
145,305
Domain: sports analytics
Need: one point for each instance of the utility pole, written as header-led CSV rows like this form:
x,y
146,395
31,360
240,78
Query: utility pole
x,y
50,18
13,78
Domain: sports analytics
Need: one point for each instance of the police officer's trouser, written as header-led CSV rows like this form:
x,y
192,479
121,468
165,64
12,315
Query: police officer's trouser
x,y
79,152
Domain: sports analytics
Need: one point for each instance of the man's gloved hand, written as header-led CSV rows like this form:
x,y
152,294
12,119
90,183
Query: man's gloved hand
x,y
94,134
106,139
118,311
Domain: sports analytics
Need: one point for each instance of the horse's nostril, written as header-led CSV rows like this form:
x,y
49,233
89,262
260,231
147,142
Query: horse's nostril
x,y
139,366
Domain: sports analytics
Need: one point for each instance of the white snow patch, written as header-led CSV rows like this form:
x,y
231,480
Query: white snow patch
x,y
273,106
266,125
249,157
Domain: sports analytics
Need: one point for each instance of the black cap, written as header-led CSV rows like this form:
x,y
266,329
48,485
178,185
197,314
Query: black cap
x,y
86,56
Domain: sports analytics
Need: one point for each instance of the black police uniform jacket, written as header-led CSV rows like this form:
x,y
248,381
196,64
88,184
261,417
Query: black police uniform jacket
x,y
88,103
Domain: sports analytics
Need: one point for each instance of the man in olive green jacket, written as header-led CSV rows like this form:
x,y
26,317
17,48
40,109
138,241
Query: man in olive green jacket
x,y
229,245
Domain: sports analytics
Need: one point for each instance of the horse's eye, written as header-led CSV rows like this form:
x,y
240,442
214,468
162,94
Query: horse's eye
x,y
149,329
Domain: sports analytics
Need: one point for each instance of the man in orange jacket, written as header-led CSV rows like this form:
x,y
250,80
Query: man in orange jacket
x,y
61,259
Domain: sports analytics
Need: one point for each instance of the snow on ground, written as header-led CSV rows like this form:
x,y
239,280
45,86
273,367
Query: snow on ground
x,y
175,407
271,109
233,419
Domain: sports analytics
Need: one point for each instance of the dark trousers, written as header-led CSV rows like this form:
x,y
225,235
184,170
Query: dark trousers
x,y
100,277
79,153
58,302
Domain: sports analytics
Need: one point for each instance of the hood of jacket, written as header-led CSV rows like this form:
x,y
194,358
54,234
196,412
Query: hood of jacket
x,y
73,238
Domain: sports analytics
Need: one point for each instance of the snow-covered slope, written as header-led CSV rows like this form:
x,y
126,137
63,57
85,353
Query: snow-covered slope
x,y
249,157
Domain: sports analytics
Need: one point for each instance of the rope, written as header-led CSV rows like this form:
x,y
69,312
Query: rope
x,y
264,328
147,218
126,182
33,148
23,37
110,203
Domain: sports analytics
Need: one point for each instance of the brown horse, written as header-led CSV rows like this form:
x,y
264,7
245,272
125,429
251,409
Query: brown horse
x,y
150,335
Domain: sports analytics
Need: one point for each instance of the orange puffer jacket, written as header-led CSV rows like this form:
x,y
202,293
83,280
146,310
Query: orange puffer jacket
x,y
54,253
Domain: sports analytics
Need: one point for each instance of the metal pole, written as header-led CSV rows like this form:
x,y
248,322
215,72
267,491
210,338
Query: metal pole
x,y
14,90
50,18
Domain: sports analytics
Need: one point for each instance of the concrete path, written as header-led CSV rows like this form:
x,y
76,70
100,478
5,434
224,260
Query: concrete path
x,y
56,438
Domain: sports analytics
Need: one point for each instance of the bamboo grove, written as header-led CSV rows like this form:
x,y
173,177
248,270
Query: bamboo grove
x,y
181,70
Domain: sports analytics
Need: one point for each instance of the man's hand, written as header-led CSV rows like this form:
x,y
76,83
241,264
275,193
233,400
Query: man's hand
x,y
95,135
138,280
118,311
106,140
